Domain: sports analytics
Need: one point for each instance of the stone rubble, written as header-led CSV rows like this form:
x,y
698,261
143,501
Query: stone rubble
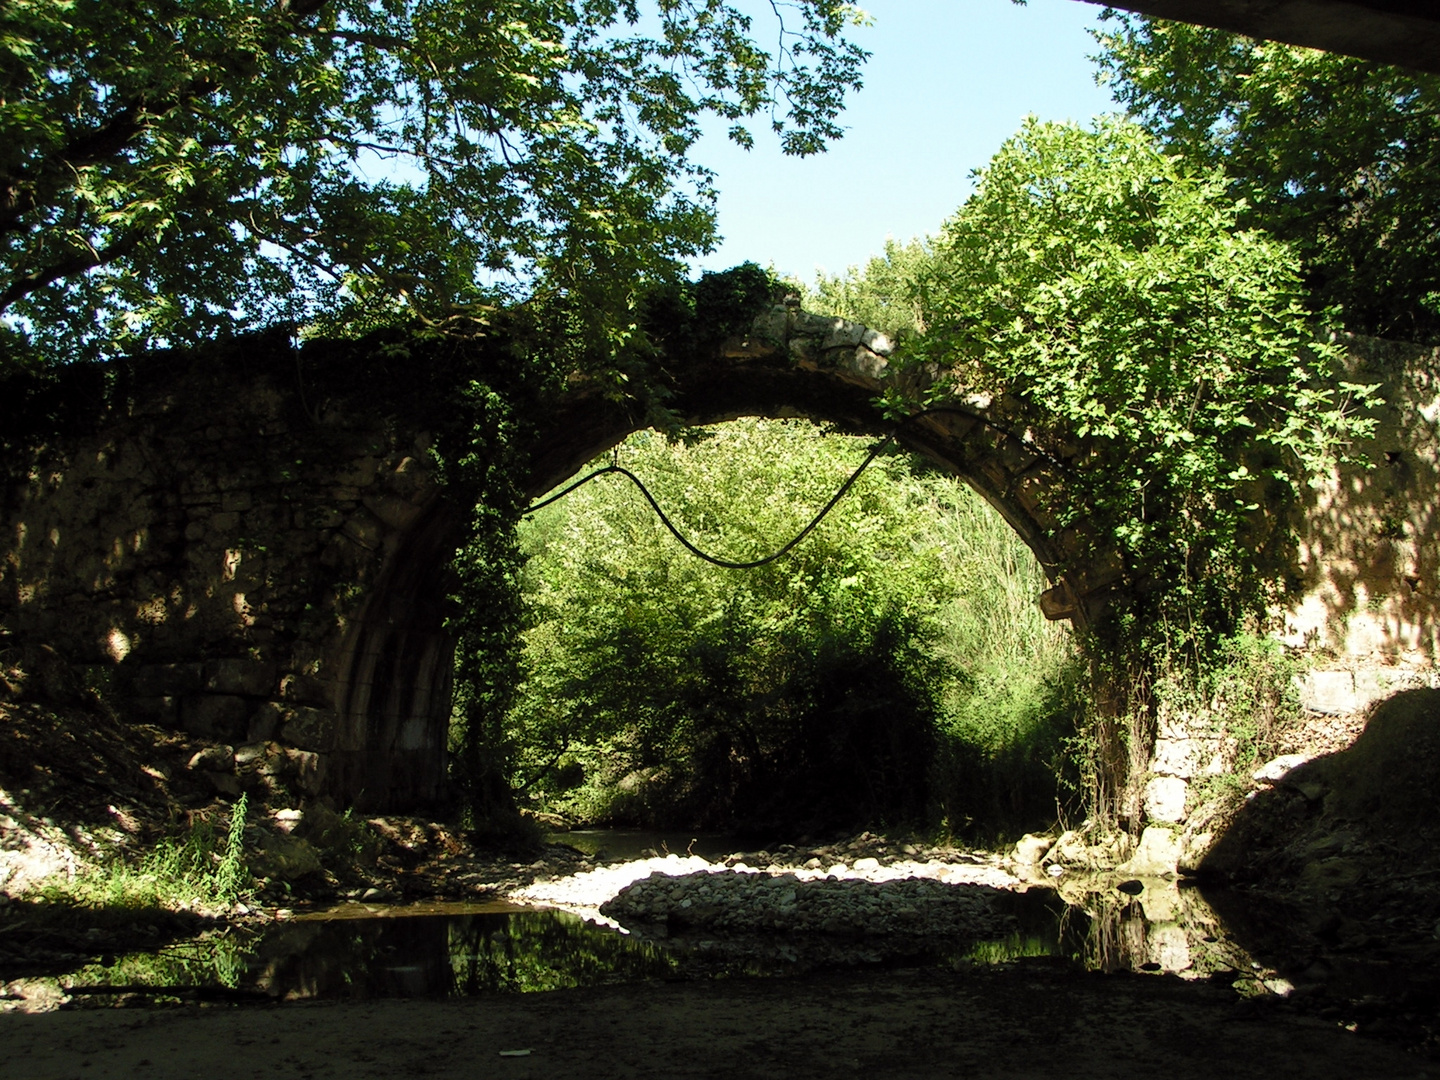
x,y
759,902
861,888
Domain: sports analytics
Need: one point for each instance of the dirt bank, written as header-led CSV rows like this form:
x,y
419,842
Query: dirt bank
x,y
1028,1019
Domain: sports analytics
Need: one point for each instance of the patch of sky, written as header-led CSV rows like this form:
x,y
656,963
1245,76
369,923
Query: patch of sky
x,y
948,81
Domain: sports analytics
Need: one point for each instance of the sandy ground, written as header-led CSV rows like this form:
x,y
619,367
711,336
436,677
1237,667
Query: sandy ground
x,y
1029,1019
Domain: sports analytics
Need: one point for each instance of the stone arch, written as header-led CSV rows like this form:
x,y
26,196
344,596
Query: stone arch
x,y
793,364
393,678
263,562
248,541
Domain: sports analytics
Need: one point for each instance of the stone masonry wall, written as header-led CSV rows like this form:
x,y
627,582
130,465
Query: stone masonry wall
x,y
208,551
1368,615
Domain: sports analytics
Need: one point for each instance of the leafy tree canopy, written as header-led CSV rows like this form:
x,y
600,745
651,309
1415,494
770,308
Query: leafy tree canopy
x,y
174,169
880,296
1157,348
1339,156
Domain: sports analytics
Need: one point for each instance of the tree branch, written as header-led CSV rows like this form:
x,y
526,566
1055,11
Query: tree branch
x,y
80,262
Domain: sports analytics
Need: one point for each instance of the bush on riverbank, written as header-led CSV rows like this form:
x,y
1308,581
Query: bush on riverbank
x,y
894,668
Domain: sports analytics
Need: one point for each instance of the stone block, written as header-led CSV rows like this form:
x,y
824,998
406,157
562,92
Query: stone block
x,y
309,729
166,680
1179,757
1164,798
238,675
1276,768
304,690
224,783
877,343
249,754
164,710
265,723
237,502
391,509
319,517
1156,855
306,770
359,473
219,758
410,479
1376,684
843,334
1031,848
772,326
222,717
1329,693
864,364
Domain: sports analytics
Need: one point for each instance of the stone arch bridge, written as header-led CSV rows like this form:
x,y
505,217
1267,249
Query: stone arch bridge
x,y
235,553
254,566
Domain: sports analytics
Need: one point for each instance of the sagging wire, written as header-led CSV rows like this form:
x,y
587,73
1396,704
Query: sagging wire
x,y
617,468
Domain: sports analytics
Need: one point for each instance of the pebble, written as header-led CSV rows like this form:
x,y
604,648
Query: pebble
x,y
874,895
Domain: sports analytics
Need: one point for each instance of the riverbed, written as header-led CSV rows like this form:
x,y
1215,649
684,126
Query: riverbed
x,y
863,957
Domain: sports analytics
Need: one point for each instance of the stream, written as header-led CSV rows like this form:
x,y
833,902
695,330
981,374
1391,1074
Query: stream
x,y
357,950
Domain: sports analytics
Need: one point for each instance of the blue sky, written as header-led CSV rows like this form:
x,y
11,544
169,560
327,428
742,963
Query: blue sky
x,y
948,82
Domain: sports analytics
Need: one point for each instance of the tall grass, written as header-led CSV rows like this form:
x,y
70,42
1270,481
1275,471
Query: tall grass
x,y
202,867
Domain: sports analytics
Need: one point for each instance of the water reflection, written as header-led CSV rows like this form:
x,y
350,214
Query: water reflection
x,y
365,954
357,951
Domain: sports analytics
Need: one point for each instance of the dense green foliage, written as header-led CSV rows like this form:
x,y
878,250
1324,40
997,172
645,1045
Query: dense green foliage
x,y
883,295
1159,353
496,403
174,171
1335,155
876,673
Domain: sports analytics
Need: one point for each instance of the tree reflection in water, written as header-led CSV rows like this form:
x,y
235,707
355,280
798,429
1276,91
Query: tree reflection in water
x,y
448,955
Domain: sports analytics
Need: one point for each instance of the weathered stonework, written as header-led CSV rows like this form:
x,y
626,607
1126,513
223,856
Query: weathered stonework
x,y
209,547
1369,609
235,551
1370,544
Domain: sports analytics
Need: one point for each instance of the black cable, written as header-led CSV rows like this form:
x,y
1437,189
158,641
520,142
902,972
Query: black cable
x,y
724,563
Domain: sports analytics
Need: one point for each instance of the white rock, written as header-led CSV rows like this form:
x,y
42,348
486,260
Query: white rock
x,y
1276,768
1329,693
1031,848
1157,854
1164,798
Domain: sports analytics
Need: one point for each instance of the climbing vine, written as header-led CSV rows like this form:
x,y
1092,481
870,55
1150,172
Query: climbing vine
x,y
1159,351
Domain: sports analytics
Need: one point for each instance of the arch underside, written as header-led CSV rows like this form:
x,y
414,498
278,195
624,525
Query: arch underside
x,y
994,462
394,706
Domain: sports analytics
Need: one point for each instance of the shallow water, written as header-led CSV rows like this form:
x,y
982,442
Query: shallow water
x,y
357,951
367,951
449,949
640,843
